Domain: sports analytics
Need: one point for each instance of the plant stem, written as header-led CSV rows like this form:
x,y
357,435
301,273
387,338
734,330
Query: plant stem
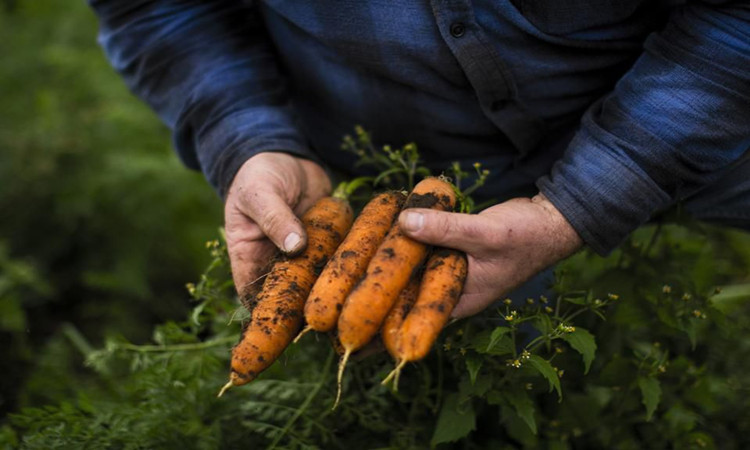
x,y
303,407
178,347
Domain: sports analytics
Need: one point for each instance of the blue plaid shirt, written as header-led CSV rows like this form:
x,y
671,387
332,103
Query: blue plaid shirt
x,y
613,109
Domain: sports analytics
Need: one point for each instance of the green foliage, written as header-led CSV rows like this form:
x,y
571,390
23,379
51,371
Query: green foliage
x,y
646,348
99,218
643,382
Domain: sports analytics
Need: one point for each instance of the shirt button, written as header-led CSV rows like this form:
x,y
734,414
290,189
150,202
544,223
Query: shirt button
x,y
457,29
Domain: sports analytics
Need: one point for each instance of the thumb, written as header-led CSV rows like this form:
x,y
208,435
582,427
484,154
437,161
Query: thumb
x,y
276,220
445,229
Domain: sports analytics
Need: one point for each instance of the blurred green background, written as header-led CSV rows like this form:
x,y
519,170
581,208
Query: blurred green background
x,y
101,226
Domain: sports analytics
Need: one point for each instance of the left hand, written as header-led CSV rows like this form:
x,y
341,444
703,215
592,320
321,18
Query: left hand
x,y
506,244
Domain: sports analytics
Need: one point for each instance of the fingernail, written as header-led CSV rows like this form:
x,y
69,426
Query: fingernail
x,y
291,242
413,221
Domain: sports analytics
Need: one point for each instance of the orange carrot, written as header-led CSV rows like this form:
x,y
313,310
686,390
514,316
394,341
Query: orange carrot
x,y
350,261
388,272
396,316
439,291
277,311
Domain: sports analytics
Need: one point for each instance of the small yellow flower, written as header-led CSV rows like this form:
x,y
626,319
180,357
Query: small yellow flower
x,y
662,368
512,316
508,301
543,299
559,349
525,354
462,351
190,288
529,301
447,346
613,296
529,386
515,363
597,302
686,296
697,313
548,310
666,289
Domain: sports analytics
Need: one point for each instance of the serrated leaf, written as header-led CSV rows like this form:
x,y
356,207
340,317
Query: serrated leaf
x,y
650,393
523,406
473,364
495,337
481,343
455,421
547,371
584,343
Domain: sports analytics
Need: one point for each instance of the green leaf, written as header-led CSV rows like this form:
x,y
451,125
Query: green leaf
x,y
456,421
495,337
523,405
473,364
731,297
545,368
584,343
481,343
651,394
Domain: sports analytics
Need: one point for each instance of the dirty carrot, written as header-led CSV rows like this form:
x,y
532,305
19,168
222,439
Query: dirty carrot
x,y
439,291
277,310
397,257
396,316
349,263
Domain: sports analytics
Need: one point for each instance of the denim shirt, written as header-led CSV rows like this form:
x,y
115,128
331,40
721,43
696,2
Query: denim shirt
x,y
613,109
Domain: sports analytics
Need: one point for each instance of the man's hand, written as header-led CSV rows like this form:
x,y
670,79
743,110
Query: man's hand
x,y
262,207
506,244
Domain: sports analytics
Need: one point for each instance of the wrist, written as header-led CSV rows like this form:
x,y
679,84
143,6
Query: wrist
x,y
561,230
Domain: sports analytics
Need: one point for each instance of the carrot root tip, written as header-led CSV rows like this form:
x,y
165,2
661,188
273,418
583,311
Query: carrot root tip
x,y
301,333
394,375
340,376
224,388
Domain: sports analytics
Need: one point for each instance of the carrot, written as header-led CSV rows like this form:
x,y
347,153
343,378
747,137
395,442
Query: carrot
x,y
439,291
396,316
277,311
397,257
347,265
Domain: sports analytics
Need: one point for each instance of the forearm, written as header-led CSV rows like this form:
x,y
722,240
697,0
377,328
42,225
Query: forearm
x,y
673,123
208,70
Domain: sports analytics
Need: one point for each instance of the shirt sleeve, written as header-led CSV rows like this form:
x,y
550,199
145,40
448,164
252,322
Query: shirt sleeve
x,y
673,123
208,69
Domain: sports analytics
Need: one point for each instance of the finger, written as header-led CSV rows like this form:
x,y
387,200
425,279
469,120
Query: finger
x,y
465,232
249,251
275,218
470,304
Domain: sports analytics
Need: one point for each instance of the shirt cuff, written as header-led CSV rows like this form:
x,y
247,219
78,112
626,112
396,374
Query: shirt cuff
x,y
236,138
601,191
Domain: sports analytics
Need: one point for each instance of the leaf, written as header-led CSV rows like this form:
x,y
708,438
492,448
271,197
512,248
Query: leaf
x,y
523,405
584,343
731,297
651,394
473,364
455,421
481,343
495,337
545,368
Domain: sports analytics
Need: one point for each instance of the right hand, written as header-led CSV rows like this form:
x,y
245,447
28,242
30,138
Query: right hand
x,y
268,194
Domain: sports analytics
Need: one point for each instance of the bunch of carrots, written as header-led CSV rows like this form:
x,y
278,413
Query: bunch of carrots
x,y
374,279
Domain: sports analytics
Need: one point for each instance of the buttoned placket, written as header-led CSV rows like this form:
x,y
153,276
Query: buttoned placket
x,y
492,81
